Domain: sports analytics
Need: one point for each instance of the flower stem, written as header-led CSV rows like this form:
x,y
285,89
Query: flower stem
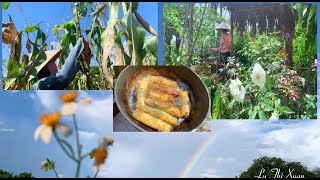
x,y
85,155
55,172
62,147
78,145
96,174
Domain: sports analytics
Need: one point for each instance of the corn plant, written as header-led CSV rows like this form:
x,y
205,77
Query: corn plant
x,y
114,39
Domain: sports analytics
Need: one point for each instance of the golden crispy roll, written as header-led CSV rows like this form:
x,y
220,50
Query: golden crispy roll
x,y
185,104
161,115
151,121
161,96
141,92
164,81
169,108
163,88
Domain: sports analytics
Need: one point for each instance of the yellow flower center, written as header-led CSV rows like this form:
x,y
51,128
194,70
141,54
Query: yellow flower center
x,y
100,155
258,76
110,141
68,97
50,119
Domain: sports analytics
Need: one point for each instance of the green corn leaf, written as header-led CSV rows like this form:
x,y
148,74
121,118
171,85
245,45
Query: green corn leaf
x,y
152,45
5,5
13,69
135,33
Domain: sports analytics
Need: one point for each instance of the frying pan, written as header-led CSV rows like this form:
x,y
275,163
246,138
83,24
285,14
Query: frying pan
x,y
198,93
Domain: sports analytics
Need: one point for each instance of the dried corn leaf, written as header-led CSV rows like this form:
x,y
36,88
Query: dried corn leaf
x,y
118,60
9,32
108,40
9,83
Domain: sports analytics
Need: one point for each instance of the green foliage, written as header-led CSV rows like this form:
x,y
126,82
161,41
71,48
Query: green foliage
x,y
5,174
101,38
269,163
176,22
5,5
265,49
289,92
305,41
22,74
24,175
280,98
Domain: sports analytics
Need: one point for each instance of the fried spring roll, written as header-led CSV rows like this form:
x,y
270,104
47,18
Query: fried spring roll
x,y
161,115
164,81
151,121
171,109
163,88
185,104
161,96
141,92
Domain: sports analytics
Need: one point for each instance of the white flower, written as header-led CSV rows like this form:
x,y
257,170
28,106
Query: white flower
x,y
70,103
173,40
45,166
274,117
258,75
237,90
50,121
303,81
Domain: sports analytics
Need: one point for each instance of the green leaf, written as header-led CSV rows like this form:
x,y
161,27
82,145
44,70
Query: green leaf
x,y
267,108
135,33
30,29
268,82
262,115
152,45
13,68
253,114
280,109
5,5
135,6
216,106
277,103
287,110
82,9
21,73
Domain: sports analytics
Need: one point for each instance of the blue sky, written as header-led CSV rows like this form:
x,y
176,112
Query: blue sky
x,y
235,145
53,13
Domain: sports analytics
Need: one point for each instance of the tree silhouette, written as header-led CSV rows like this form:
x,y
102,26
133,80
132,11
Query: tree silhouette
x,y
6,174
269,163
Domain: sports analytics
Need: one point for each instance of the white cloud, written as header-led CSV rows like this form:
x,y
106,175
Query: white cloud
x,y
7,130
225,160
240,142
49,100
13,91
210,173
297,143
87,135
123,161
97,116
